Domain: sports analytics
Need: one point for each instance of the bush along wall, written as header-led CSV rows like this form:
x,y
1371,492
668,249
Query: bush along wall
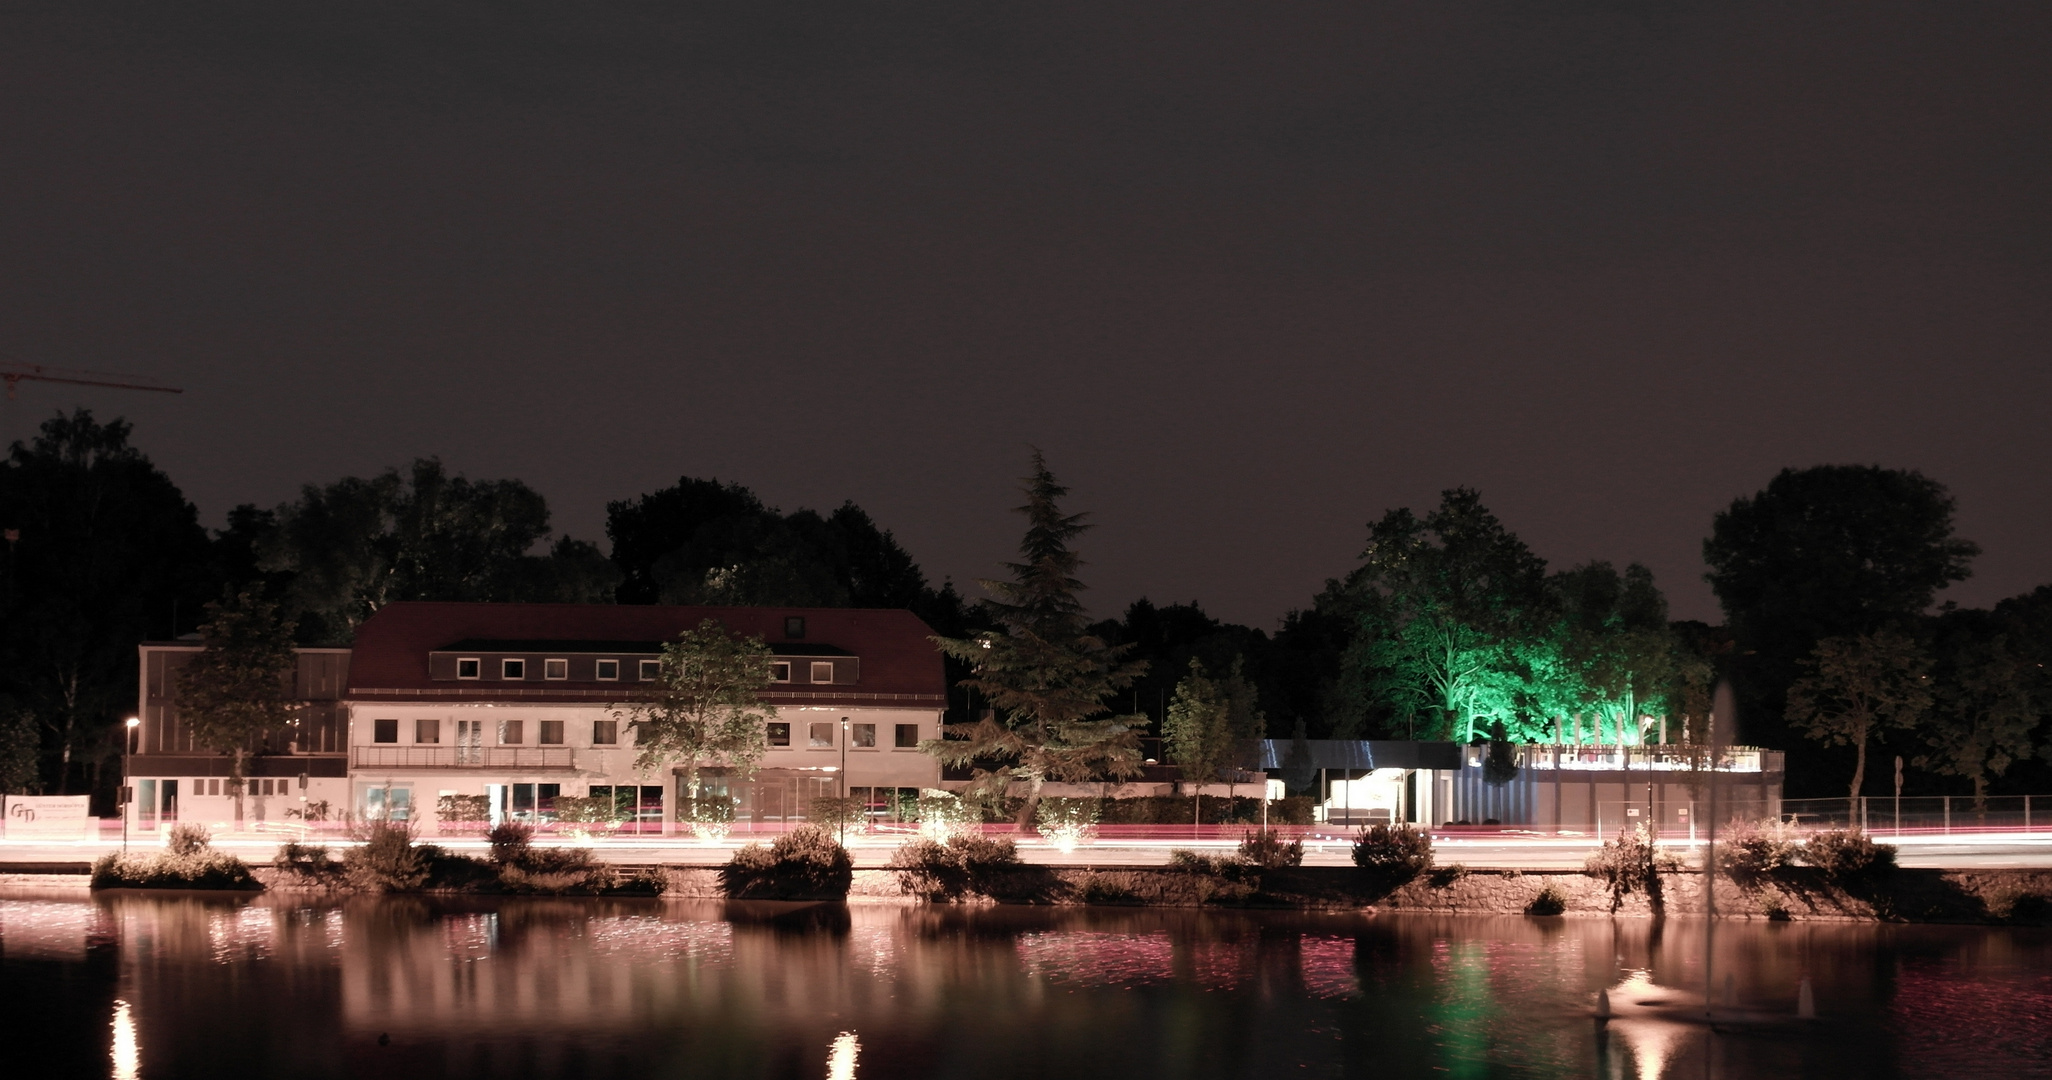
x,y
803,864
189,862
388,860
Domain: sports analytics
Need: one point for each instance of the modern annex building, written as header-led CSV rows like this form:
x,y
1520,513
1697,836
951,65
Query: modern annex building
x,y
521,704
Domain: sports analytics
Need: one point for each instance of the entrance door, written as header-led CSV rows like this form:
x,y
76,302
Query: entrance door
x,y
470,742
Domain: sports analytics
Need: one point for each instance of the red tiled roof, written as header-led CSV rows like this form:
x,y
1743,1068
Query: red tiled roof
x,y
898,656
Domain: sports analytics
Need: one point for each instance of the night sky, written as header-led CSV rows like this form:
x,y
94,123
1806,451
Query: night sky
x,y
1249,273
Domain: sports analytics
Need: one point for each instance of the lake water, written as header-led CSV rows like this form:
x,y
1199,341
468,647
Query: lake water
x,y
164,986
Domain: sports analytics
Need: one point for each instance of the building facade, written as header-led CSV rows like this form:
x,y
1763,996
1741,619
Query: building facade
x,y
454,715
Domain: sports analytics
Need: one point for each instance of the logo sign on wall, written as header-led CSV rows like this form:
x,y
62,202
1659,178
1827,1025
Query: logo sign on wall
x,y
47,817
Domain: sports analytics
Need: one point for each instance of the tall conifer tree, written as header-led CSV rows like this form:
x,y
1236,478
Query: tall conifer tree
x,y
1045,675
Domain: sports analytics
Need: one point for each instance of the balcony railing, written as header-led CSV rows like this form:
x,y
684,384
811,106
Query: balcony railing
x,y
521,758
1739,759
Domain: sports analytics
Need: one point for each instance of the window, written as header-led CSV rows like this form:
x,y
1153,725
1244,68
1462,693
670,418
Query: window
x,y
608,670
780,671
209,787
794,627
651,670
822,734
908,736
551,733
513,669
427,731
467,667
863,736
510,732
822,671
605,732
780,734
555,669
385,731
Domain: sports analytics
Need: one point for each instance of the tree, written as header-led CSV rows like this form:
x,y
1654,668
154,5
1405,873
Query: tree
x,y
106,549
348,548
1831,551
705,708
1439,605
1614,656
1044,674
1854,686
20,746
1987,712
1198,731
236,692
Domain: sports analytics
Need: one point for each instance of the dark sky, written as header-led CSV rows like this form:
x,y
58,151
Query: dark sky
x,y
1249,273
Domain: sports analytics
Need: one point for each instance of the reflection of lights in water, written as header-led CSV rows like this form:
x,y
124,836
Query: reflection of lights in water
x,y
841,1056
127,1057
1648,1034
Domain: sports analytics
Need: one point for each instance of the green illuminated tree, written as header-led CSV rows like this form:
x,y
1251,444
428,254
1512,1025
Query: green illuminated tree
x,y
1044,674
1987,711
1616,655
237,691
705,708
1442,607
1855,685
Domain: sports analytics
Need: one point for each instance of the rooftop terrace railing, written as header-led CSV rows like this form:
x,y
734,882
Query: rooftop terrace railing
x,y
1739,759
461,757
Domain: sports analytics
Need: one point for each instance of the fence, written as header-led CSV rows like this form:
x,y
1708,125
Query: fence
x,y
1923,814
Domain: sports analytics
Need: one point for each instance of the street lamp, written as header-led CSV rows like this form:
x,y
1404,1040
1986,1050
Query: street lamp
x,y
127,790
844,782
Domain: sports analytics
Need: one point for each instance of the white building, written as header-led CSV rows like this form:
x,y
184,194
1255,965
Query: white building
x,y
520,705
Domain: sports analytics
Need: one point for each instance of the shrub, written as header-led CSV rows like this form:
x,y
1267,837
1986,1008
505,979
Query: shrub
x,y
942,814
1396,851
309,862
463,809
1267,849
511,841
711,817
387,860
188,839
1752,850
1067,822
197,867
1199,863
1848,855
804,864
1630,862
1549,900
1106,889
947,871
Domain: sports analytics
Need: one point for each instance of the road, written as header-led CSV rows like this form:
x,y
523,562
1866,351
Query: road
x,y
1958,851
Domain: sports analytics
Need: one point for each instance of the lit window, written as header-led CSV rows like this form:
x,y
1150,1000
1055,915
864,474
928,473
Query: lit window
x,y
608,670
512,669
864,736
794,627
385,731
605,732
780,672
821,735
511,732
467,667
908,736
651,670
427,731
555,669
780,734
551,733
822,671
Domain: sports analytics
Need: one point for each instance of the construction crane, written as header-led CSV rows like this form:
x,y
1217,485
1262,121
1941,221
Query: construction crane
x,y
16,373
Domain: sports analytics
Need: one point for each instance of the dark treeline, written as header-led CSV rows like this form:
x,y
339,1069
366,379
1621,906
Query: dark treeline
x,y
1447,627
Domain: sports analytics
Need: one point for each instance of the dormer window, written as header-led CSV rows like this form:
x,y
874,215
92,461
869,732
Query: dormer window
x,y
555,669
794,627
468,667
512,669
780,671
823,671
651,670
608,670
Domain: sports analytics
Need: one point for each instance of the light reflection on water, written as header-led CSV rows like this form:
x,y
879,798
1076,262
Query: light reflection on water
x,y
186,986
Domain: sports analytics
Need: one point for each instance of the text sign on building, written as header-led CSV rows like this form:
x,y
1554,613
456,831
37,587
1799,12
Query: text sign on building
x,y
47,817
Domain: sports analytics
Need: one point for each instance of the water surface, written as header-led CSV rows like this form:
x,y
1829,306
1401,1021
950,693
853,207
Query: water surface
x,y
189,986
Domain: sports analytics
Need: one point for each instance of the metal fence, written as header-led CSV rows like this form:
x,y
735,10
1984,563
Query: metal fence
x,y
1923,814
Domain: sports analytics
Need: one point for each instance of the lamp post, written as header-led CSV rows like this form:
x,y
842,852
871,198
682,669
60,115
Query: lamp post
x,y
127,788
844,782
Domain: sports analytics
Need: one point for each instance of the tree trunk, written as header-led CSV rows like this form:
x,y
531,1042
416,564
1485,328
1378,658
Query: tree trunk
x,y
235,785
1024,822
1860,768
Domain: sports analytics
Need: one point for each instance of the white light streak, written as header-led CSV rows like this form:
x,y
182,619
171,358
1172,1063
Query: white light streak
x,y
841,1056
127,1055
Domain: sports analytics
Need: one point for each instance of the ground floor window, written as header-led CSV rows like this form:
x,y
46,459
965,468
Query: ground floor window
x,y
631,802
888,803
155,800
386,802
771,796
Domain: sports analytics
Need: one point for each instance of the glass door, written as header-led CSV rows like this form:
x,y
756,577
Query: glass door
x,y
470,742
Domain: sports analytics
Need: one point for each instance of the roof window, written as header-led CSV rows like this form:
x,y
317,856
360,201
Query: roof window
x,y
794,627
